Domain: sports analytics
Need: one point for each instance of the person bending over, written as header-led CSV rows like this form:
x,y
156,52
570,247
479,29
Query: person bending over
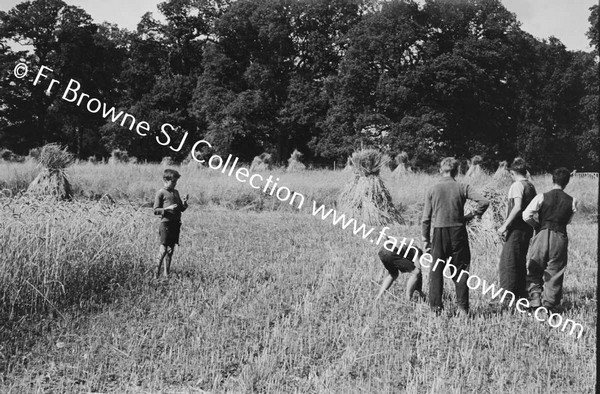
x,y
395,262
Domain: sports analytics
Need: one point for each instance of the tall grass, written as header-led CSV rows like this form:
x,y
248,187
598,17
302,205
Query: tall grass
x,y
280,302
270,301
138,183
57,254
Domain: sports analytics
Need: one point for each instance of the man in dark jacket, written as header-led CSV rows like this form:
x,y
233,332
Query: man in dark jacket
x,y
444,209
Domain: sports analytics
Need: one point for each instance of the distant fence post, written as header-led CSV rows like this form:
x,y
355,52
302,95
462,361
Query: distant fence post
x,y
593,175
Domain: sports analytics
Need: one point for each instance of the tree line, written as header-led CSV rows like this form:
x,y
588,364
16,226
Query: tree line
x,y
322,76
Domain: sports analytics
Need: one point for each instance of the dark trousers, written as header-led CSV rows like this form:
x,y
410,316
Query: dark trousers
x,y
547,261
513,262
449,242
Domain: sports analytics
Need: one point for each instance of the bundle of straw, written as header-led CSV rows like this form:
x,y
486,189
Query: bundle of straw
x,y
475,169
53,181
502,171
168,161
402,167
366,199
261,162
294,163
118,156
34,153
54,158
484,230
348,167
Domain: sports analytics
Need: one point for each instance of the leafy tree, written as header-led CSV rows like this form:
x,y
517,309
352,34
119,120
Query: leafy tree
x,y
63,38
593,30
161,74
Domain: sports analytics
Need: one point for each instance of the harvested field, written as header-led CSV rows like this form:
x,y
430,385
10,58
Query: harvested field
x,y
264,300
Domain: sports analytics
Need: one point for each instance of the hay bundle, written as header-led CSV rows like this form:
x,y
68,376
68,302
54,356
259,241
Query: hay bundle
x,y
190,162
502,172
483,230
53,181
402,166
475,169
118,156
34,153
366,199
262,162
194,164
348,167
168,161
294,163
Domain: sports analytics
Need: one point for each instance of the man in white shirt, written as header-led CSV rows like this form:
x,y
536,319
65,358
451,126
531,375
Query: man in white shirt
x,y
547,258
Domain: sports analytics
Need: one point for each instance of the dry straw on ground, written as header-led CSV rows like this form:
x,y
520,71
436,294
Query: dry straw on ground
x,y
294,163
52,181
263,162
366,199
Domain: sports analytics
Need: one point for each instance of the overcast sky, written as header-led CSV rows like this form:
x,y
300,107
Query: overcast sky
x,y
565,19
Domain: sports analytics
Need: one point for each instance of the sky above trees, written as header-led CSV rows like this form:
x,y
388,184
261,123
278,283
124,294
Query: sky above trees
x,y
564,19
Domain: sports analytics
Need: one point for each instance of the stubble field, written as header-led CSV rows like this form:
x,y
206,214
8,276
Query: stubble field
x,y
263,298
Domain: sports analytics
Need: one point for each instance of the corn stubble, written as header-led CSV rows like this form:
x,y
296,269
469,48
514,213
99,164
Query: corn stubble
x,y
259,302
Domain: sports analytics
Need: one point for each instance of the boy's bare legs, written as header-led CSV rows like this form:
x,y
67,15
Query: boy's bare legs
x,y
387,282
161,256
168,258
414,282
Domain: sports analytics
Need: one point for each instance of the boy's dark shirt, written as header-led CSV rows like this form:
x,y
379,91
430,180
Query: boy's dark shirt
x,y
165,198
444,205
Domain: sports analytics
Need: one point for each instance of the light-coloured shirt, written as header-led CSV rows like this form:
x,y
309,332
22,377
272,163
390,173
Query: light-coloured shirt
x,y
531,212
516,190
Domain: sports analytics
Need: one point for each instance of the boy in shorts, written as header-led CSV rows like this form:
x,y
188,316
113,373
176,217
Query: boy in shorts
x,y
395,262
169,206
